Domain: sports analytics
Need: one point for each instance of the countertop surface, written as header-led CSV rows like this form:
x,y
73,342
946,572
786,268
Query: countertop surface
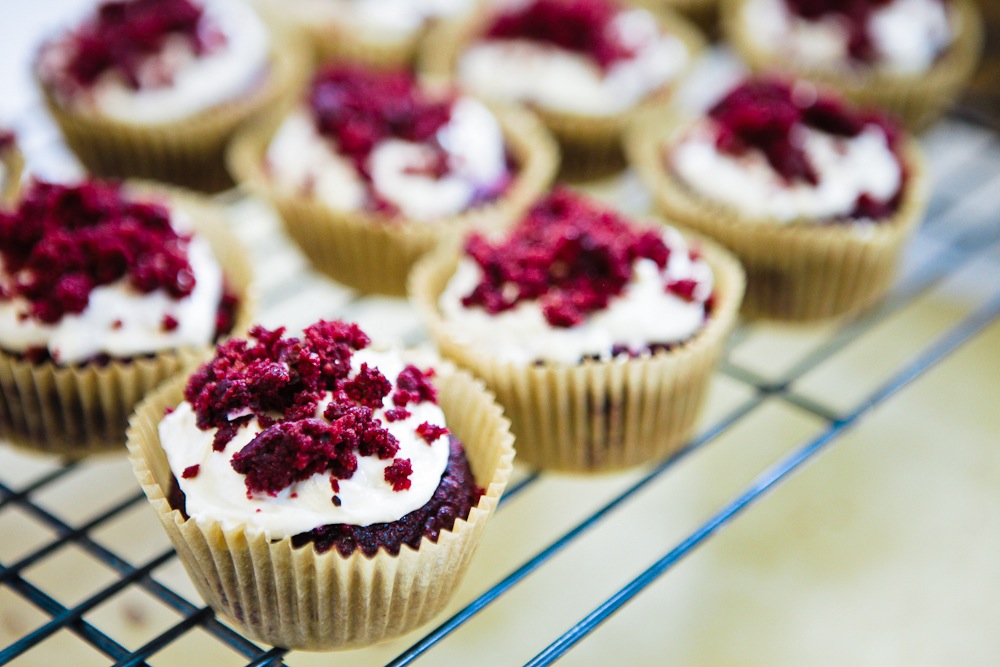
x,y
879,549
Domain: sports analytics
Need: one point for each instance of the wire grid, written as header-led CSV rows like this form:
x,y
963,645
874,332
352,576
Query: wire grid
x,y
961,227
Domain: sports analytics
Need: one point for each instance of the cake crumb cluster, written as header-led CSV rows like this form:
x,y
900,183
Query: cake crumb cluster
x,y
286,383
124,33
63,241
767,115
580,26
570,255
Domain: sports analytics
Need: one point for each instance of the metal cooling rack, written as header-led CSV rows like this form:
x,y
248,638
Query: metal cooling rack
x,y
963,227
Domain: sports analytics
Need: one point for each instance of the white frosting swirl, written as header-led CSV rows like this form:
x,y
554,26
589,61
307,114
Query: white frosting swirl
x,y
218,493
846,167
302,160
553,78
121,321
644,314
195,82
907,35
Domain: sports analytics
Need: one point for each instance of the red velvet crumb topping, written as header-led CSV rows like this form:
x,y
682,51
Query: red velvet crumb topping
x,y
63,241
854,15
581,26
431,432
284,382
398,474
764,114
568,253
191,471
123,33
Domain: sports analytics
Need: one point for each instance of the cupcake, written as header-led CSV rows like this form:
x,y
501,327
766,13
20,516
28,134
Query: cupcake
x,y
814,197
597,334
11,165
382,33
372,169
909,57
321,494
156,88
105,291
585,66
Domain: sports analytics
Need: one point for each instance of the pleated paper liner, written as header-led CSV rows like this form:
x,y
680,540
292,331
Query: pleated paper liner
x,y
919,100
188,152
12,162
374,253
298,598
703,13
797,271
74,411
591,145
596,415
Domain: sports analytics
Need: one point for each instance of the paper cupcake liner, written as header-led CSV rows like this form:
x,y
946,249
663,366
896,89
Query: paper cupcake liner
x,y
298,598
597,415
13,164
373,253
187,152
917,99
591,145
74,411
796,271
703,13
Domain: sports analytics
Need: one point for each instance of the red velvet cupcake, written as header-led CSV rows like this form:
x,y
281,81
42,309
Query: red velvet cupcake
x,y
346,484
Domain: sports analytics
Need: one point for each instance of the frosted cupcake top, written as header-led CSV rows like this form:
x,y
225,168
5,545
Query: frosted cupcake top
x,y
897,36
88,270
576,281
284,435
784,152
590,57
372,140
155,61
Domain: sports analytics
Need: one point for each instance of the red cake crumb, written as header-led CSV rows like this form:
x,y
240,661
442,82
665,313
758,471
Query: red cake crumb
x,y
581,26
398,474
431,432
290,377
191,471
124,33
854,15
569,254
397,414
763,114
63,241
170,323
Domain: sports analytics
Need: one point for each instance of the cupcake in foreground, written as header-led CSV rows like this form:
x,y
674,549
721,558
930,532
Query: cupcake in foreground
x,y
585,66
322,495
372,169
909,57
383,33
814,197
597,334
155,88
11,165
106,291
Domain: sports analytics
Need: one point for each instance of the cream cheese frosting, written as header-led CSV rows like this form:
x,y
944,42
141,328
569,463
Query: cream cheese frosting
x,y
908,35
219,494
557,79
196,82
846,167
643,315
122,322
300,159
